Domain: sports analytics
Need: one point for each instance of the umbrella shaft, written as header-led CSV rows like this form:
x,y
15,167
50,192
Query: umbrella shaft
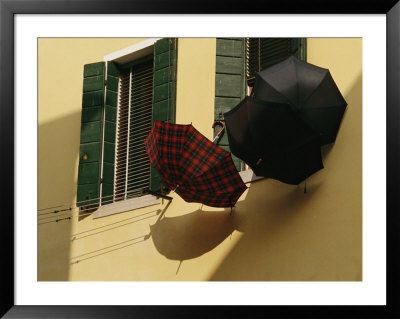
x,y
157,194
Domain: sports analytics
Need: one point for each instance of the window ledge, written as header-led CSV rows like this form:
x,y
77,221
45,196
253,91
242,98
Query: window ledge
x,y
149,200
126,205
249,176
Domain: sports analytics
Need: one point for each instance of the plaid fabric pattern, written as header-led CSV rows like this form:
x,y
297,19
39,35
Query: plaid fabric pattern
x,y
199,170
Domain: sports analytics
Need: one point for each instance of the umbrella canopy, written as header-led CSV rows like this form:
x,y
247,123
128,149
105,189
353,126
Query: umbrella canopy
x,y
272,139
309,89
193,166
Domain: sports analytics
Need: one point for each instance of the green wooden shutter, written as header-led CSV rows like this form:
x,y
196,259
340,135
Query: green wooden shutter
x,y
110,122
91,134
298,47
164,90
96,156
229,84
264,52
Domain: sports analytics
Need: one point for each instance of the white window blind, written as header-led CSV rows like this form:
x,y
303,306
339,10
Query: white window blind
x,y
134,121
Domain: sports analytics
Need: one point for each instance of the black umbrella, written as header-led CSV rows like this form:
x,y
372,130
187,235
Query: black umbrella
x,y
309,89
272,139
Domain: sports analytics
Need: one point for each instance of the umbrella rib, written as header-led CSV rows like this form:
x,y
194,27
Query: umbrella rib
x,y
280,93
214,192
285,98
324,107
317,87
297,84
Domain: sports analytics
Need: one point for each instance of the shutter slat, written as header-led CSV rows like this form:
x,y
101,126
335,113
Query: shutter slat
x,y
230,47
228,85
230,65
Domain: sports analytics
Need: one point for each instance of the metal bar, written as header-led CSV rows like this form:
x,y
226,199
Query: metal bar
x,y
129,117
116,139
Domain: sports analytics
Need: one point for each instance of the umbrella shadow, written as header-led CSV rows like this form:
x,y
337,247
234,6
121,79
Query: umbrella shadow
x,y
191,235
194,234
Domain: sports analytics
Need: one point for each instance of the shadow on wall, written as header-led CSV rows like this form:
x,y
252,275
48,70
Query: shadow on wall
x,y
191,235
286,232
58,147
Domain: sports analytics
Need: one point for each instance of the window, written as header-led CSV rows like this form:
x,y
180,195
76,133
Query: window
x,y
237,62
121,99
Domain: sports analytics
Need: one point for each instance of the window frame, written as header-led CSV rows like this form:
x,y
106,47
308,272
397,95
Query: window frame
x,y
123,56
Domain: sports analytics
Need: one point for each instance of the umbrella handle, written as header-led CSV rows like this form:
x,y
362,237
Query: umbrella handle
x,y
220,131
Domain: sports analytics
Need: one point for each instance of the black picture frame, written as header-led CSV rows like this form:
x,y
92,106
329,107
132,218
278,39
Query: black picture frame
x,y
8,10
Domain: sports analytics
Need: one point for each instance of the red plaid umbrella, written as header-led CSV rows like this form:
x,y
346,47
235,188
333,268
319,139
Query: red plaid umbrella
x,y
193,166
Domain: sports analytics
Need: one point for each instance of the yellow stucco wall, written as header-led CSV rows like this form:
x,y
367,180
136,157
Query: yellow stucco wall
x,y
276,231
